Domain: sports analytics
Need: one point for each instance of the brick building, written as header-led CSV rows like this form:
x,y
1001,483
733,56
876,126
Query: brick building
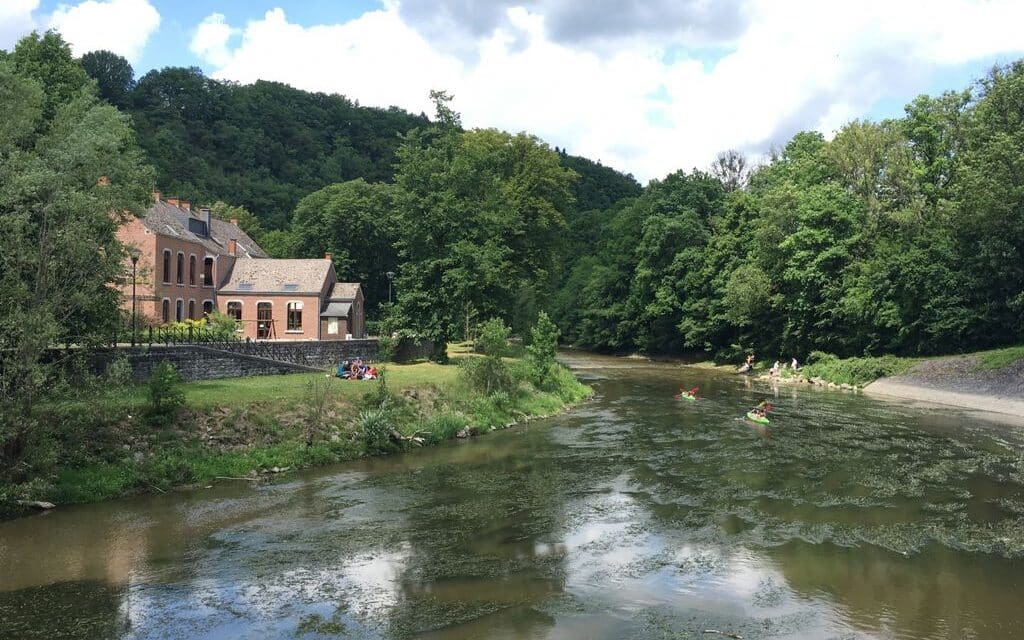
x,y
191,263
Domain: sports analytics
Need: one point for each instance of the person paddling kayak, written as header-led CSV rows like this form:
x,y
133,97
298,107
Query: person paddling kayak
x,y
690,394
760,412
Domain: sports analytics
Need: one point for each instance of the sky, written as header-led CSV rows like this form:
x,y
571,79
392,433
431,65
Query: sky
x,y
647,88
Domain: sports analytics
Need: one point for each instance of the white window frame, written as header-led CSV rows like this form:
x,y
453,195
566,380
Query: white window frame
x,y
179,304
213,306
213,271
166,320
166,275
193,265
287,311
181,254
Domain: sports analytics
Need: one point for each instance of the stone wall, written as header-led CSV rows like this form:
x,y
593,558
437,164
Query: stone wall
x,y
235,360
193,362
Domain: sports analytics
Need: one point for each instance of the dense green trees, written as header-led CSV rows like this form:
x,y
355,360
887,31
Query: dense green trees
x,y
68,168
902,236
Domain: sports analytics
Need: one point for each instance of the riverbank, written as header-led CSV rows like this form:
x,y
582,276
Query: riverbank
x,y
992,381
249,429
987,381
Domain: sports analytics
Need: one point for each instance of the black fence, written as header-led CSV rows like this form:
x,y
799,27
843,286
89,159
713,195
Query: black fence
x,y
176,335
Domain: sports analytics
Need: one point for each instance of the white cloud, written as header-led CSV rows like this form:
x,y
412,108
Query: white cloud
x,y
121,26
211,38
789,66
16,20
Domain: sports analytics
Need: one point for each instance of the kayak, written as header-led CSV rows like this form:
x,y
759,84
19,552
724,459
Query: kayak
x,y
684,396
753,417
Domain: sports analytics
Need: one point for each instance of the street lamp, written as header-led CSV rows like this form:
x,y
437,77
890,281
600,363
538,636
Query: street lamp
x,y
391,276
134,254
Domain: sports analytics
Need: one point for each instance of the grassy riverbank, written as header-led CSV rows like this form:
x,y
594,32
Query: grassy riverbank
x,y
101,447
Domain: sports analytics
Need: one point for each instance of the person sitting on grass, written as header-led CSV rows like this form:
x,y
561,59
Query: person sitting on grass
x,y
343,370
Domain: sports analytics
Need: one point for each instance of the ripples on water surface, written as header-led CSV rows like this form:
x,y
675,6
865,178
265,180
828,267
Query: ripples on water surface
x,y
634,516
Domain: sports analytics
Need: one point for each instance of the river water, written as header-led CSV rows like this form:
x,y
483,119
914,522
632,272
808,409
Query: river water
x,y
635,515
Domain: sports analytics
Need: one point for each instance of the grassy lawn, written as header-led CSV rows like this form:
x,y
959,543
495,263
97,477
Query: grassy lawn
x,y
999,358
238,392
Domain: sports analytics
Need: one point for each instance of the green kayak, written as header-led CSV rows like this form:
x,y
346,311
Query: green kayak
x,y
684,396
753,417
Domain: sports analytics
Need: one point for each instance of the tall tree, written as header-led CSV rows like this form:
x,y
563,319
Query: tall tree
x,y
58,252
114,77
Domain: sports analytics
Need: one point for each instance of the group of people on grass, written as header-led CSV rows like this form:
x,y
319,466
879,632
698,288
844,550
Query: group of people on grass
x,y
356,370
775,371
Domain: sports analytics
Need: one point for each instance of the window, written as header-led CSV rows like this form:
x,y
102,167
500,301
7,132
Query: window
x,y
207,271
192,270
294,316
291,287
332,326
179,310
191,309
207,307
181,268
165,311
167,266
235,310
264,320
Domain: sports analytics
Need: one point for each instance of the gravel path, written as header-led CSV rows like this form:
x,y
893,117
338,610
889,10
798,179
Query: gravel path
x,y
957,381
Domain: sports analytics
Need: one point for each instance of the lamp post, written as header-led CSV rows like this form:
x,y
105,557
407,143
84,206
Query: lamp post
x,y
135,260
391,276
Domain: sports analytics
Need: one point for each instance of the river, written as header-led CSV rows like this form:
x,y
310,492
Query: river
x,y
635,515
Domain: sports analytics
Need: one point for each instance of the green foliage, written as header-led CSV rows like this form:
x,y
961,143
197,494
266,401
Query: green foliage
x,y
1000,358
119,373
114,77
540,353
165,395
904,236
856,371
492,339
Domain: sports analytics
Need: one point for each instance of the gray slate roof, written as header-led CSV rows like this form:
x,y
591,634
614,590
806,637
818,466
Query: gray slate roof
x,y
336,310
271,275
168,220
343,291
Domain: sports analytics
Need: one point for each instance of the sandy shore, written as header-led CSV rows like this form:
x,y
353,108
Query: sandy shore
x,y
958,382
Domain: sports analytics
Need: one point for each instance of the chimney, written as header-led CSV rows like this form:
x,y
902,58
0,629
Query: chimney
x,y
172,201
205,213
234,221
232,247
104,181
328,256
186,205
156,196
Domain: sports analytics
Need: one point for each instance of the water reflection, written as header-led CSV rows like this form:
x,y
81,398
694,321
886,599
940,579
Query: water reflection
x,y
635,516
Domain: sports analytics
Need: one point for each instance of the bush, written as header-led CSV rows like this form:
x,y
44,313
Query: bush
x,y
856,371
375,425
493,338
165,395
487,374
540,353
119,373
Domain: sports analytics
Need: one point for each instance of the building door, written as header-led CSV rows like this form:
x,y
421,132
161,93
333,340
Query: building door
x,y
264,320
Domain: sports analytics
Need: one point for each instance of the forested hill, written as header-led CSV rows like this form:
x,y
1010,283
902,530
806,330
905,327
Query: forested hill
x,y
266,145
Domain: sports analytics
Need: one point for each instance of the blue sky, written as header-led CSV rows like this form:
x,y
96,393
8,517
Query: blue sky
x,y
647,88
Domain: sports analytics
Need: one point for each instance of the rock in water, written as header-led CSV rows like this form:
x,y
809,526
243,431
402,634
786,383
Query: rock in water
x,y
37,504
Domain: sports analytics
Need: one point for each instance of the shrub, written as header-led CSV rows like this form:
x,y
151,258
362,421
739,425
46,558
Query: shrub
x,y
493,338
119,373
375,425
857,371
487,374
540,353
165,395
386,348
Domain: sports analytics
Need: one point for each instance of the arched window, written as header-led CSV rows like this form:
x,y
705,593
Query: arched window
x,y
179,310
192,270
207,271
191,309
181,268
167,266
294,316
264,320
207,307
165,311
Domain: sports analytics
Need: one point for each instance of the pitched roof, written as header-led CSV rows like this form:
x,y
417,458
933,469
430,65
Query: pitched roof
x,y
165,219
270,275
343,291
336,310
